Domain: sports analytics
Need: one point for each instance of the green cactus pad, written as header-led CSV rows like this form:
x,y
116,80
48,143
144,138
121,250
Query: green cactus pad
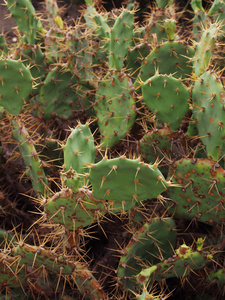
x,y
135,56
200,194
162,145
126,181
177,57
217,277
11,275
80,55
167,97
33,57
25,16
155,29
74,209
121,35
151,243
204,49
181,264
14,92
30,156
61,94
200,19
3,45
79,151
114,107
164,3
38,256
209,113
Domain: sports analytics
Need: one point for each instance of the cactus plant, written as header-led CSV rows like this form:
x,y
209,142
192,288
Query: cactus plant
x,y
112,152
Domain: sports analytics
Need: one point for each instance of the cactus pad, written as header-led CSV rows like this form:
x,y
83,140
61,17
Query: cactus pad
x,y
78,152
158,237
209,112
167,98
177,57
74,209
201,192
14,92
126,180
115,107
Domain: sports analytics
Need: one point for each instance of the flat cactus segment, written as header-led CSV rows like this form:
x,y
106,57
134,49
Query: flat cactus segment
x,y
167,97
15,85
79,151
177,57
3,45
120,39
89,286
25,16
200,194
197,5
38,256
217,277
10,274
170,28
80,55
115,107
204,49
200,19
61,94
134,58
156,144
34,59
151,243
74,209
164,3
181,264
209,112
164,146
217,12
96,22
155,31
34,166
127,180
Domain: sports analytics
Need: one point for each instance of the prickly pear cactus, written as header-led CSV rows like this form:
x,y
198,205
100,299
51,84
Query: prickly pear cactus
x,y
126,180
181,264
112,151
178,61
79,152
169,108
74,210
115,107
158,237
199,192
13,93
61,94
25,15
208,111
